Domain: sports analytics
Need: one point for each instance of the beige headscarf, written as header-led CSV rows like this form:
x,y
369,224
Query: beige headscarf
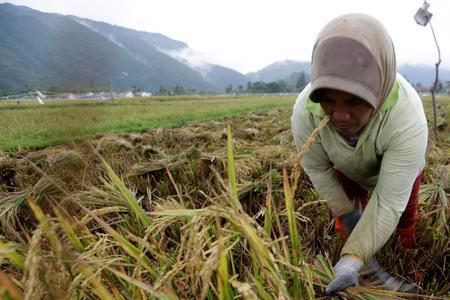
x,y
354,53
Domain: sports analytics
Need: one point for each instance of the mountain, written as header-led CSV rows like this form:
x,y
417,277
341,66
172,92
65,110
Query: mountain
x,y
223,77
423,74
285,70
162,47
280,70
41,50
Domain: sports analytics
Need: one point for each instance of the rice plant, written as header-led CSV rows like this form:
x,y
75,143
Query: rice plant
x,y
233,219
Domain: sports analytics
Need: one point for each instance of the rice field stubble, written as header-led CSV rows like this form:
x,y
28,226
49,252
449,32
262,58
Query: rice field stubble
x,y
194,213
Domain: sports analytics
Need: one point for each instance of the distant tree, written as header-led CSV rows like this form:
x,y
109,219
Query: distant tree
x,y
136,89
240,89
229,89
179,90
249,87
282,86
259,87
291,88
439,87
276,87
163,91
302,81
273,87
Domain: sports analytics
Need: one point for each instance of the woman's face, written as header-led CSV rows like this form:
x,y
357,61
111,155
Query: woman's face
x,y
348,113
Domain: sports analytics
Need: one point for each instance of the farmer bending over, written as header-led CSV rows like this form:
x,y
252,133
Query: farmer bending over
x,y
375,141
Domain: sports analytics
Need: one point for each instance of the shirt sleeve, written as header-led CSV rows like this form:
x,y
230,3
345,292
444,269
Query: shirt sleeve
x,y
316,162
400,165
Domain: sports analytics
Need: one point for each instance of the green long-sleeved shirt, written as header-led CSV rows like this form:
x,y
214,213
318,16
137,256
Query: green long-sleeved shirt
x,y
389,155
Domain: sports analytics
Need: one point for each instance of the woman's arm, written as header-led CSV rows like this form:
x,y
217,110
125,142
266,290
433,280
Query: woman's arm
x,y
401,163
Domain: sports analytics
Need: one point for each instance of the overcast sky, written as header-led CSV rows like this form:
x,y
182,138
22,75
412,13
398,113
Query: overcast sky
x,y
247,35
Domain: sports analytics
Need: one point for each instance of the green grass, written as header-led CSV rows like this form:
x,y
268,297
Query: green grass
x,y
443,115
29,126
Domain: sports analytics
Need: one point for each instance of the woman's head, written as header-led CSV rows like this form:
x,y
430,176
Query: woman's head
x,y
353,54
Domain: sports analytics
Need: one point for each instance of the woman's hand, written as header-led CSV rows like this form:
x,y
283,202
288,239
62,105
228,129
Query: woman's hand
x,y
346,274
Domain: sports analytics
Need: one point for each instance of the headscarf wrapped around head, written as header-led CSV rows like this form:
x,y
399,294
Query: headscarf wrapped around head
x,y
355,54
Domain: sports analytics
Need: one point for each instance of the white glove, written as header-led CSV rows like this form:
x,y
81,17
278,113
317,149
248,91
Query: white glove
x,y
346,274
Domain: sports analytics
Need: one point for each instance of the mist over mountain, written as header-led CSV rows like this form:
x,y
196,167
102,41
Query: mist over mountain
x,y
159,51
41,50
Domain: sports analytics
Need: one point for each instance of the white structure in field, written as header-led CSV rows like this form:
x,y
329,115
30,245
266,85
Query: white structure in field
x,y
39,97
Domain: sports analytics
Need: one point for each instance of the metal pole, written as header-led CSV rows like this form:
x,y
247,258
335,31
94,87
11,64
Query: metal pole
x,y
111,89
433,91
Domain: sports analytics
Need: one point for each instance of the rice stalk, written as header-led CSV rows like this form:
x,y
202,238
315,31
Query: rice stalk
x,y
12,204
261,252
129,197
244,289
10,289
143,286
232,172
132,250
223,286
70,232
33,288
10,207
98,288
150,167
305,148
260,290
47,226
293,233
14,254
268,214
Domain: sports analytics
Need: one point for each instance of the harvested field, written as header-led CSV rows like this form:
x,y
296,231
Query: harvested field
x,y
29,125
175,213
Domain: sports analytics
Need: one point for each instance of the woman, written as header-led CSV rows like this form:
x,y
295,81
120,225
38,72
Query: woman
x,y
375,140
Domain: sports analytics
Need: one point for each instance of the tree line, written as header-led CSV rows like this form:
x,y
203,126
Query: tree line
x,y
295,83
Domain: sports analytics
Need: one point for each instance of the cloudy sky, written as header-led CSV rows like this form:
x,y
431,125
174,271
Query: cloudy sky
x,y
249,34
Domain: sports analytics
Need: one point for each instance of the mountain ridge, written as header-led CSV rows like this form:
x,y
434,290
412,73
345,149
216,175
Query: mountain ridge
x,y
281,70
42,50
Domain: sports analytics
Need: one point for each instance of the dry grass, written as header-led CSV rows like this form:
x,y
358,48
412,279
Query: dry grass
x,y
192,213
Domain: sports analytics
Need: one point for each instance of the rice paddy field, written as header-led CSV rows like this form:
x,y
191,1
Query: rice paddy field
x,y
30,125
218,208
